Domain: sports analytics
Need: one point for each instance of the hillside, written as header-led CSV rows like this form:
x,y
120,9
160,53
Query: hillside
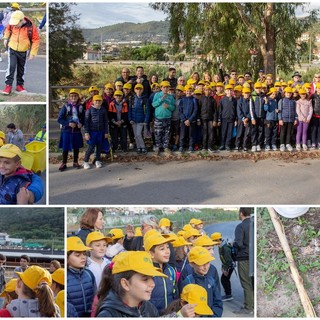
x,y
127,31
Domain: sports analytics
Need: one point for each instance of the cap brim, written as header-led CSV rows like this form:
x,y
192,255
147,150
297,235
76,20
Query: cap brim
x,y
203,310
10,155
152,272
14,21
3,294
203,261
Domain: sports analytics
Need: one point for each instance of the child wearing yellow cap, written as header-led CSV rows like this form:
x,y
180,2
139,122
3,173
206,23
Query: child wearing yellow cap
x,y
118,111
93,90
8,293
35,298
80,281
71,120
14,177
205,275
96,131
116,246
127,286
57,281
108,93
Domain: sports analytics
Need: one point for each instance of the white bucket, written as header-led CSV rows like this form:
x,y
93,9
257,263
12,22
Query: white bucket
x,y
291,212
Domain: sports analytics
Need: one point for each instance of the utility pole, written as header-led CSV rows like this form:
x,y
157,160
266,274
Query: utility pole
x,y
310,49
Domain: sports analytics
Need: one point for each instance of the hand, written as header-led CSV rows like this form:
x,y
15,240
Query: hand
x,y
198,122
129,231
165,105
214,123
265,100
219,124
253,122
187,123
281,122
5,43
188,311
295,122
87,136
30,57
72,125
235,123
24,196
221,65
106,135
131,122
225,273
79,125
119,123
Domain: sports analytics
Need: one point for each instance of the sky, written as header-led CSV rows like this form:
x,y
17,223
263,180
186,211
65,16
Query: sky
x,y
95,15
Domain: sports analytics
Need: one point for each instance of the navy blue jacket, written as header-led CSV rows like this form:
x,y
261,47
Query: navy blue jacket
x,y
65,117
188,109
227,109
207,108
96,120
80,290
139,109
211,283
287,110
270,108
165,290
258,109
243,108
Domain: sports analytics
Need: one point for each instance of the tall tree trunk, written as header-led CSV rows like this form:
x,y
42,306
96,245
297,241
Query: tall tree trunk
x,y
269,41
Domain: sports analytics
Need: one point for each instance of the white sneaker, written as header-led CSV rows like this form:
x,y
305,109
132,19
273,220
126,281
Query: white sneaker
x,y
282,147
98,164
274,147
298,147
131,146
254,149
267,148
258,148
0,59
305,147
289,147
309,143
86,165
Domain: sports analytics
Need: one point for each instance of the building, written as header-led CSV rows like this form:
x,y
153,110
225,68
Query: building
x,y
92,55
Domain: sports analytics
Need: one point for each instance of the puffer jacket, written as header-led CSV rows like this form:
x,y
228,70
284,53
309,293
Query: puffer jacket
x,y
11,185
316,104
243,108
80,290
287,110
228,109
139,110
188,109
65,117
270,108
165,290
96,120
113,307
207,108
258,107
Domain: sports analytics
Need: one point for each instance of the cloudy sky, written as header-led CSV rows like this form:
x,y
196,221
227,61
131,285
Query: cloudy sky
x,y
95,15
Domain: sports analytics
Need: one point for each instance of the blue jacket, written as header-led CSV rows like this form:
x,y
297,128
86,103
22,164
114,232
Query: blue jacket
x,y
211,283
158,102
287,110
11,185
270,108
227,109
36,187
65,117
80,290
139,110
244,108
165,290
258,108
188,109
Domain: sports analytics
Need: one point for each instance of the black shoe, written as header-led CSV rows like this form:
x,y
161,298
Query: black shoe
x,y
227,297
63,167
76,165
228,149
144,151
243,311
221,148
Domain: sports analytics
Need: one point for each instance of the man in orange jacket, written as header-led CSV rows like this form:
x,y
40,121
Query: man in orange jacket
x,y
22,40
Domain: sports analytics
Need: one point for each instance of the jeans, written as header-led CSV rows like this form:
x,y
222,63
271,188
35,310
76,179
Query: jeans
x,y
286,133
271,130
226,132
184,130
137,129
257,132
207,134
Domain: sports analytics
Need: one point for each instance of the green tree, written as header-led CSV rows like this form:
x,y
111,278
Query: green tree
x,y
150,52
230,30
66,42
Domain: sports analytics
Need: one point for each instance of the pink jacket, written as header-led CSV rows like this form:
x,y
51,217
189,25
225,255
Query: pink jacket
x,y
304,109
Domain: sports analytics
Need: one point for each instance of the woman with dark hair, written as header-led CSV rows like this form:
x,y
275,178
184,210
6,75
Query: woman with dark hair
x,y
54,265
154,79
91,220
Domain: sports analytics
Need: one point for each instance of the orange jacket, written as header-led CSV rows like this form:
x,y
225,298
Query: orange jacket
x,y
19,39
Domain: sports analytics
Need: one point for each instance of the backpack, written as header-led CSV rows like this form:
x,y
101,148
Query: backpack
x,y
228,254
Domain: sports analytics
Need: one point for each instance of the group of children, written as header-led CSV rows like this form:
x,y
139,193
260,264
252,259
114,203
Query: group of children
x,y
34,292
171,275
201,113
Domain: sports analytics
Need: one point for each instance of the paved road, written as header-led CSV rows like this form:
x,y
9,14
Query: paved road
x,y
35,76
224,182
227,230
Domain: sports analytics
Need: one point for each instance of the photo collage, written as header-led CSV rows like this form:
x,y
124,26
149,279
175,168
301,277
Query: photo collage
x,y
177,177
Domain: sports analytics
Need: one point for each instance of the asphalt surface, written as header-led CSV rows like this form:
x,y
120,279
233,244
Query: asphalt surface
x,y
227,231
35,76
224,182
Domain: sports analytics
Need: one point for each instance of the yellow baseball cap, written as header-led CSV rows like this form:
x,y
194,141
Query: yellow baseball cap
x,y
195,294
137,232
197,222
307,85
138,261
290,82
9,287
199,256
191,81
197,91
246,90
302,91
165,84
155,84
109,86
180,242
180,87
216,236
219,84
232,81
318,85
2,135
93,88
73,90
127,86
272,90
288,90
60,302
97,97
238,88
116,234
118,93
191,233
34,276
138,86
187,227
277,84
58,276
154,239
228,86
15,5
203,241
202,82
164,222
118,83
257,85
283,84
10,151
76,244
213,84
96,236
16,17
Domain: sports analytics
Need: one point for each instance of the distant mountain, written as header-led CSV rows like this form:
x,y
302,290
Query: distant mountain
x,y
156,31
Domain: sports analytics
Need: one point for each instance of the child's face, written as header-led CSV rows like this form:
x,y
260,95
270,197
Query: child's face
x,y
237,94
119,88
165,90
97,103
288,95
77,259
188,93
156,89
303,96
138,92
8,166
161,253
126,91
210,249
93,93
138,288
273,95
108,91
73,97
201,270
99,249
219,89
179,93
228,92
207,92
118,98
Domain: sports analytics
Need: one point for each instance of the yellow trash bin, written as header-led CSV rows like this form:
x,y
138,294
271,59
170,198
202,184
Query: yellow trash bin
x,y
27,160
38,150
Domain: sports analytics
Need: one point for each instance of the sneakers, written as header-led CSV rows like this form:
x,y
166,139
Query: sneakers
x,y
63,167
298,147
144,151
191,150
258,148
175,147
204,150
254,149
305,147
243,311
167,151
228,149
181,150
131,146
211,150
7,89
237,149
274,147
267,148
227,297
245,149
86,165
222,148
98,164
309,143
289,147
313,146
282,148
20,88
